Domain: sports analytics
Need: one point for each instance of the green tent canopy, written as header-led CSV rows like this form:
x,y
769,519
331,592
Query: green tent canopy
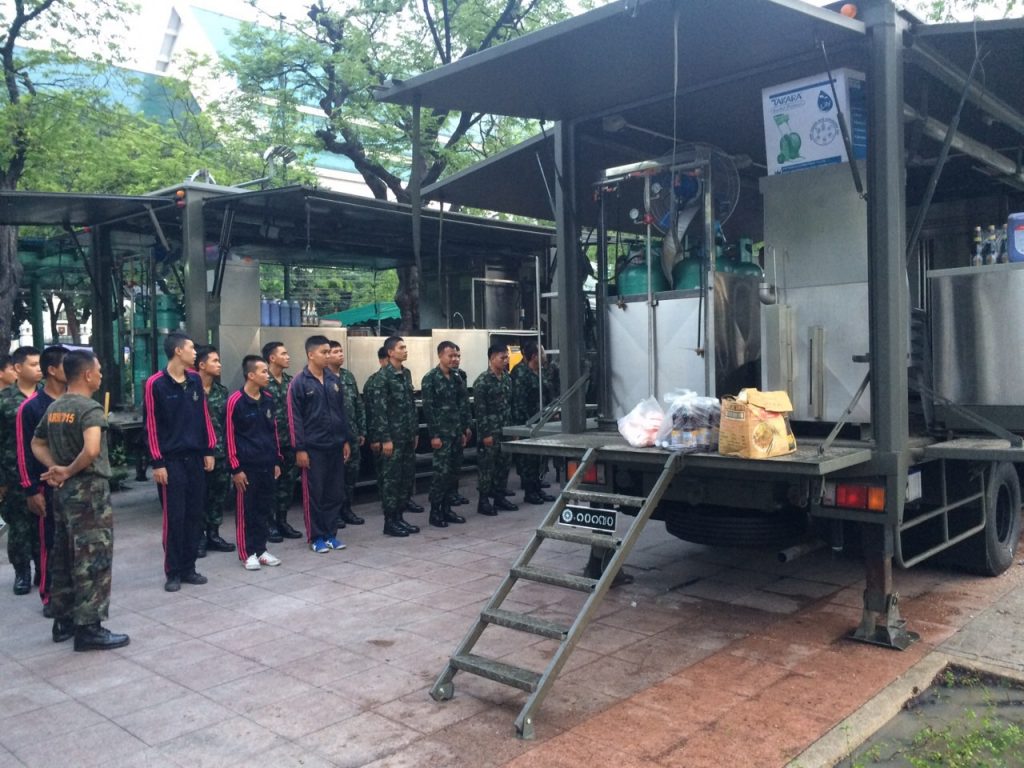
x,y
367,313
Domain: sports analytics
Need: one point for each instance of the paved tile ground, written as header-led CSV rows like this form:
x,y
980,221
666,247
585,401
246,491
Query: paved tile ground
x,y
712,657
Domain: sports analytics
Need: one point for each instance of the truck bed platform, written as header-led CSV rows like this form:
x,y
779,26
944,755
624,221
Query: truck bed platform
x,y
805,461
975,449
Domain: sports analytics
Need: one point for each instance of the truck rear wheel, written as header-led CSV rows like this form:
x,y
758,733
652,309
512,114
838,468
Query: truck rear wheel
x,y
992,551
727,527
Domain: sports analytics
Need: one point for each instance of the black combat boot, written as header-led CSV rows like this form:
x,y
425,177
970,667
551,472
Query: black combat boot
x,y
457,499
391,528
449,516
437,518
93,637
503,505
507,492
274,534
406,524
285,528
484,507
22,579
215,542
201,547
350,517
63,629
412,506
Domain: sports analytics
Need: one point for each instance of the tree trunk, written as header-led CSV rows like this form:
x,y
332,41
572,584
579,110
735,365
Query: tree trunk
x,y
10,283
74,327
407,297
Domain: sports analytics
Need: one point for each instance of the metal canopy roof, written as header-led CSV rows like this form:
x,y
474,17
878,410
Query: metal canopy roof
x,y
719,101
69,209
616,54
308,226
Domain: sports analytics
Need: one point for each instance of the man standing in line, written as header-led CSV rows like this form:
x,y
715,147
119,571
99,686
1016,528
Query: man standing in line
x,y
456,499
321,436
444,410
356,415
526,390
7,377
218,481
22,525
371,398
492,402
254,458
395,427
39,495
278,360
181,444
71,441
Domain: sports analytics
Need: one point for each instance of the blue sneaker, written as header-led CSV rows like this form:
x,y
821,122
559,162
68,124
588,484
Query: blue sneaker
x,y
334,543
319,546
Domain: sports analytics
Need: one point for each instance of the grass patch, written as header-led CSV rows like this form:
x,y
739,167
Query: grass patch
x,y
964,719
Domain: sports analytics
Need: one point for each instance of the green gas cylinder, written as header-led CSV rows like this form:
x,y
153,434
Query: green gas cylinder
x,y
632,279
686,274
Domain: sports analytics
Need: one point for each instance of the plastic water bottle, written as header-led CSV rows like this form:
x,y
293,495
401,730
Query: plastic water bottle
x,y
296,313
275,313
264,311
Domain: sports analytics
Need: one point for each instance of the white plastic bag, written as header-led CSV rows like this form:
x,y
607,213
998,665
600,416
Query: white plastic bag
x,y
640,426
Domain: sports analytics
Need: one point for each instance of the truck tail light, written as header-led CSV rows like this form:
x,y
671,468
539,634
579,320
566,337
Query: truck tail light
x,y
593,476
855,496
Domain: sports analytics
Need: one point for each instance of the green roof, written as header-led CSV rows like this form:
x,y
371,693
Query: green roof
x,y
378,310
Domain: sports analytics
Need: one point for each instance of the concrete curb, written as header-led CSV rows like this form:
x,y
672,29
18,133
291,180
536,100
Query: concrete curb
x,y
845,737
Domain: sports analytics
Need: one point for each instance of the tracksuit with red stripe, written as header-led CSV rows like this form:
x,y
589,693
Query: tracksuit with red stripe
x,y
250,431
317,423
179,434
30,413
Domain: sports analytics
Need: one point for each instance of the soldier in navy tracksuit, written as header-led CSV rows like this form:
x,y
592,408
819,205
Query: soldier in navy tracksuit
x,y
181,445
254,459
38,494
320,435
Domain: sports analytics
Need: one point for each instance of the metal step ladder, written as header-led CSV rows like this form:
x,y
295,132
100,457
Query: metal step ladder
x,y
538,684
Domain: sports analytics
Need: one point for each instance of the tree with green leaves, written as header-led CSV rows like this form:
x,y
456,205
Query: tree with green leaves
x,y
328,65
23,101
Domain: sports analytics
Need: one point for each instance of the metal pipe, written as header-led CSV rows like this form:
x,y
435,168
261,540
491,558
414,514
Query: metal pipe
x,y
933,64
789,554
968,146
652,347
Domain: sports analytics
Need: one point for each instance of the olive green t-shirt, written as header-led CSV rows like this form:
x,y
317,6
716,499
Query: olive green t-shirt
x,y
63,425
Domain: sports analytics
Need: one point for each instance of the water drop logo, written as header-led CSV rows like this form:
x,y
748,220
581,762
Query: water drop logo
x,y
824,101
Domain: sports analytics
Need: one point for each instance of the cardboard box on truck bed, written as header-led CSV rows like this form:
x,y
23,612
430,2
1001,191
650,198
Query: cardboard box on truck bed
x,y
755,425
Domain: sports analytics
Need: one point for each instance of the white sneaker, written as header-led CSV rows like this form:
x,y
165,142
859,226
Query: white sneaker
x,y
252,563
268,559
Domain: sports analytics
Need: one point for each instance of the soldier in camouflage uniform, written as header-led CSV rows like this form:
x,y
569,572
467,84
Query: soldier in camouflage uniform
x,y
395,427
356,415
7,377
444,409
22,524
454,498
526,389
71,441
492,403
278,359
218,482
370,398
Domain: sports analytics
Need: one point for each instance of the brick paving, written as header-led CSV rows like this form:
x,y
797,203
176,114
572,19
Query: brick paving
x,y
711,657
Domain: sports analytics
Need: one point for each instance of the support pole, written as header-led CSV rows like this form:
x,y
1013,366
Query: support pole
x,y
415,182
888,322
194,258
568,278
36,309
104,341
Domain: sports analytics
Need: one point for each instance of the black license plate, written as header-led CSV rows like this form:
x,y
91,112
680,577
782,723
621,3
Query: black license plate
x,y
589,517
